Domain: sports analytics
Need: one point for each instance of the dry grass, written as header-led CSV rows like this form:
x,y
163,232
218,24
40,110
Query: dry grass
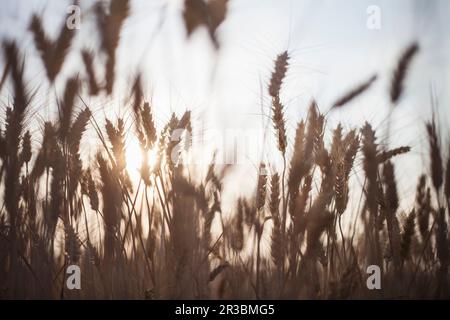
x,y
167,236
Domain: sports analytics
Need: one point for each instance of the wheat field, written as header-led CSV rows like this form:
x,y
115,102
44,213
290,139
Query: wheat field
x,y
164,234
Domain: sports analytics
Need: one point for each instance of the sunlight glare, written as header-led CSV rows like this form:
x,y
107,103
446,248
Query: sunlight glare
x,y
134,159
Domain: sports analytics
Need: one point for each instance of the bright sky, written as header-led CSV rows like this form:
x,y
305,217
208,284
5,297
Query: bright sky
x,y
331,50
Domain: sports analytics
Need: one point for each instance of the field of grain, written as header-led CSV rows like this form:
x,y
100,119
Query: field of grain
x,y
164,233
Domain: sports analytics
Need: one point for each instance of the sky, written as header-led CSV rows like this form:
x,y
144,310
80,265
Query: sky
x,y
331,50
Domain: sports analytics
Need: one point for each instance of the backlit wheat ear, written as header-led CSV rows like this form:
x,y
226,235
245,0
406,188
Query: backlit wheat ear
x,y
195,13
211,14
183,124
276,80
338,163
214,273
11,166
372,192
92,254
387,155
67,106
237,239
88,60
447,180
370,165
4,74
110,26
399,75
437,173
391,201
56,193
279,124
148,124
77,129
352,143
73,140
423,206
25,155
92,191
62,45
318,220
313,128
337,146
112,202
16,62
261,187
53,53
137,95
358,90
277,247
298,163
46,151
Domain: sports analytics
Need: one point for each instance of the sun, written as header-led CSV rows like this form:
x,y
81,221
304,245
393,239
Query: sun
x,y
134,158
